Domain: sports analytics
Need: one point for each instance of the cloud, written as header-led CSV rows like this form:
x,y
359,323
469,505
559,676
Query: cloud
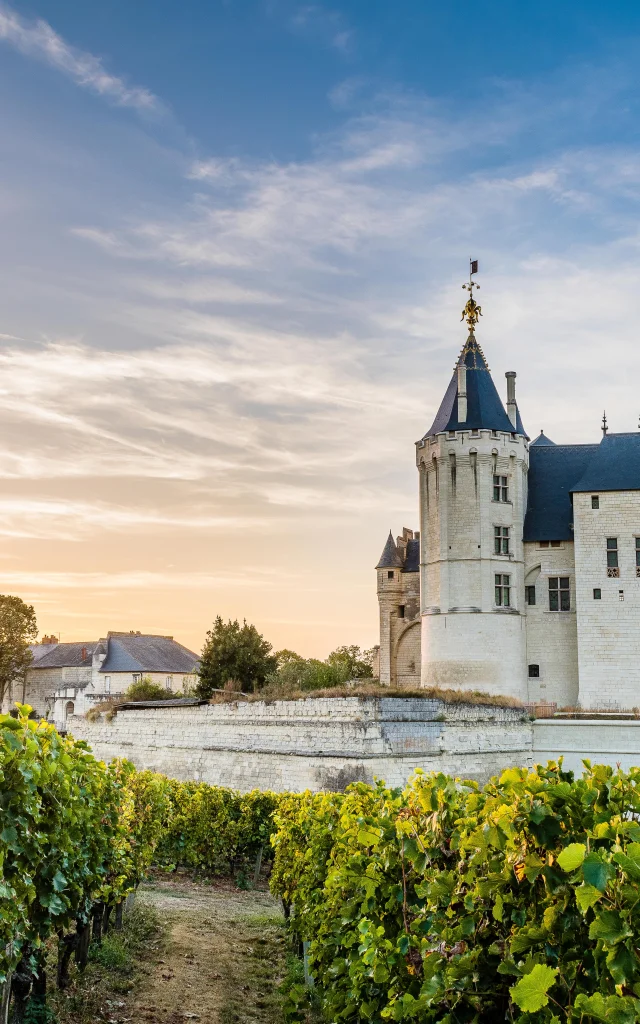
x,y
39,40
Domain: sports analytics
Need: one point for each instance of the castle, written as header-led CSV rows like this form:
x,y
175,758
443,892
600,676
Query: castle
x,y
524,578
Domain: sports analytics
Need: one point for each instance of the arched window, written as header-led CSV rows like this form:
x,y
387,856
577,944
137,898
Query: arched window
x,y
69,708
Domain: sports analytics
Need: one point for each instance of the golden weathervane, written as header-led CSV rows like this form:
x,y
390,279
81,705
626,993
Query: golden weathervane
x,y
472,311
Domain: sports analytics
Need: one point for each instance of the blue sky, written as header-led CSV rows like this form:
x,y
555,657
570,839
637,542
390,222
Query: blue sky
x,y
233,238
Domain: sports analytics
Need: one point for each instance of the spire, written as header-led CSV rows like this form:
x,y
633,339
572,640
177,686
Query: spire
x,y
471,401
542,440
390,557
604,427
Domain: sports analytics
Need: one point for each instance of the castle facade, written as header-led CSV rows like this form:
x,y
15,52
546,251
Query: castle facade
x,y
524,578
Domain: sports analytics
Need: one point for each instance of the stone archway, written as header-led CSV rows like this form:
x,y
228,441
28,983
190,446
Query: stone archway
x,y
407,674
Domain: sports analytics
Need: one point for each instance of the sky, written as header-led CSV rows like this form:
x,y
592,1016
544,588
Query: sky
x,y
232,239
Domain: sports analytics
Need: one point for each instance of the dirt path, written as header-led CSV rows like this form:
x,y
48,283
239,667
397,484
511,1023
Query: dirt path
x,y
222,961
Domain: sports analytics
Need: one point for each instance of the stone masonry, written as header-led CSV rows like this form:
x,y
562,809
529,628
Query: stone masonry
x,y
316,743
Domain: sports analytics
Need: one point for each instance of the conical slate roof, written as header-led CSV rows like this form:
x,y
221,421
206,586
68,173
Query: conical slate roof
x,y
484,406
542,439
390,557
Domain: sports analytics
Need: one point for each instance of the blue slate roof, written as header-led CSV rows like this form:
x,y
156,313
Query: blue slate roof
x,y
412,557
72,655
553,471
390,557
130,652
542,439
614,467
484,406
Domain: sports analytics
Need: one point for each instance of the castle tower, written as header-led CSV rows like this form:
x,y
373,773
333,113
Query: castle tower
x,y
399,602
473,464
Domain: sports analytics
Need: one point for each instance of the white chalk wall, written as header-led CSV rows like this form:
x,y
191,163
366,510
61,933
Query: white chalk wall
x,y
314,743
601,742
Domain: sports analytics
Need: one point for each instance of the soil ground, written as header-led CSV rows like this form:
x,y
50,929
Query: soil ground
x,y
208,953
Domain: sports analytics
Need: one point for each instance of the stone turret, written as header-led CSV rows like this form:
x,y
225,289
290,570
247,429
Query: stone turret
x,y
399,604
473,464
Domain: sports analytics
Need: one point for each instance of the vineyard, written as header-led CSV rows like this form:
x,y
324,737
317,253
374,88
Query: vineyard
x,y
441,902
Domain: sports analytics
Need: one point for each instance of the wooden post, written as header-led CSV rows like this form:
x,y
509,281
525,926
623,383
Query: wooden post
x,y
256,870
118,918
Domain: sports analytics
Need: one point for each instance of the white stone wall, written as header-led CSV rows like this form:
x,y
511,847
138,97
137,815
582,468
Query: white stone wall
x,y
608,629
314,743
552,637
601,742
466,640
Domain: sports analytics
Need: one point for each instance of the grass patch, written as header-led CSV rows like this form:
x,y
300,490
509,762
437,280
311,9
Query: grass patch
x,y
373,689
114,969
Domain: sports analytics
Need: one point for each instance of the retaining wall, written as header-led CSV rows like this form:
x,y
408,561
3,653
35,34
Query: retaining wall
x,y
316,743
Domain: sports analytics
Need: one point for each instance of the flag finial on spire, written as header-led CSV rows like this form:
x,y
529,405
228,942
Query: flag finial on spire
x,y
472,310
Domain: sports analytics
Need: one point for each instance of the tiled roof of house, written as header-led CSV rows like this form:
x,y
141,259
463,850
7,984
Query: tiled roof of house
x,y
125,652
553,470
74,655
484,405
614,467
131,652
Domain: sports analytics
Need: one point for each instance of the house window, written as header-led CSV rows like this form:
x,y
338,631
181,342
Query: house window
x,y
501,540
534,671
559,594
107,684
621,595
612,557
597,594
637,556
530,594
401,611
136,677
503,590
550,544
500,488
169,682
595,501
390,574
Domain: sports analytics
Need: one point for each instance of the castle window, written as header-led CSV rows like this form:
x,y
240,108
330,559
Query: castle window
x,y
637,556
595,501
501,540
503,590
534,671
500,488
621,595
559,594
401,611
168,683
612,557
597,594
107,684
530,594
390,574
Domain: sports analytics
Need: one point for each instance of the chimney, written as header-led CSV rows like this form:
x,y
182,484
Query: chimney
x,y
84,653
512,411
462,393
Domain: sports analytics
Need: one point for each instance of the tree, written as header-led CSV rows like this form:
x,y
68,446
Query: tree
x,y
146,689
18,629
234,654
351,663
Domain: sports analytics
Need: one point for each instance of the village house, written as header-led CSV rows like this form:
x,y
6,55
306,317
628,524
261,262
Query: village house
x,y
69,678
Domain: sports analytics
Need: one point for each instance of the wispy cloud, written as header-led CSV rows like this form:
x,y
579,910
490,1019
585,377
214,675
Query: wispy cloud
x,y
39,40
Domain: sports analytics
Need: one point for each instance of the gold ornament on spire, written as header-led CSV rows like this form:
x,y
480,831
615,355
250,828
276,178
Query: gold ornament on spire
x,y
472,311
